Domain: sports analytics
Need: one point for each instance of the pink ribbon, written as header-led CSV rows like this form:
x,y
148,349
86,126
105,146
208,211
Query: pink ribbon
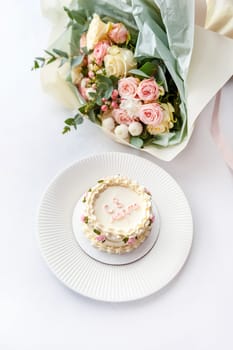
x,y
218,137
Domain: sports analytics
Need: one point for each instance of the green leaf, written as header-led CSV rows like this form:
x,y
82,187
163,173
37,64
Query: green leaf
x,y
91,116
92,94
69,121
40,59
78,119
100,181
136,141
49,53
139,73
76,61
125,240
149,68
66,129
63,61
35,66
83,109
104,86
52,59
86,219
97,231
61,53
76,15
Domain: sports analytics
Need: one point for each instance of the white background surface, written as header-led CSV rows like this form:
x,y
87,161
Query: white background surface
x,y
36,311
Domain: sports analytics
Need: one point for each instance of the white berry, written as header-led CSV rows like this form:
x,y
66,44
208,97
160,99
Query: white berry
x,y
121,131
108,124
135,129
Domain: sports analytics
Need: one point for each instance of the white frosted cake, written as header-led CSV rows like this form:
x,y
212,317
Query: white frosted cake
x,y
117,215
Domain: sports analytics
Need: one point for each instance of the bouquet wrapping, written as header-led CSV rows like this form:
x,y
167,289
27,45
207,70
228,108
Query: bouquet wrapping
x,y
133,68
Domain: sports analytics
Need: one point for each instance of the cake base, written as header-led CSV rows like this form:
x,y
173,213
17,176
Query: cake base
x,y
108,258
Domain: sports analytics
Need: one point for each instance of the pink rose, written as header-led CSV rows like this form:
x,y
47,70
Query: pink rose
x,y
152,218
121,116
100,51
131,240
148,90
151,114
118,34
100,238
127,87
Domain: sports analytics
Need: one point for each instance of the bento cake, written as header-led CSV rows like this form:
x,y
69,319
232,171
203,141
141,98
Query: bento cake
x,y
117,214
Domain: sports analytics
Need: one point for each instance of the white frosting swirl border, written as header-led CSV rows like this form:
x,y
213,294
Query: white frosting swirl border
x,y
116,241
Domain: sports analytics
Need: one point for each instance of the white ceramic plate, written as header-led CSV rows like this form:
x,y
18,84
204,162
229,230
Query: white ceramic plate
x,y
96,280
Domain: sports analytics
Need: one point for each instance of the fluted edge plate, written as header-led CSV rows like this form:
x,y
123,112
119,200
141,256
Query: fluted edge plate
x,y
91,278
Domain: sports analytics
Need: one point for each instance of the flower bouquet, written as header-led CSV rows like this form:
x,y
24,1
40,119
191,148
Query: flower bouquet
x,y
124,66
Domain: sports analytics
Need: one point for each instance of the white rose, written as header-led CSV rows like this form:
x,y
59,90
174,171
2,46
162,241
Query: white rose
x,y
135,128
119,61
97,31
132,105
121,131
108,124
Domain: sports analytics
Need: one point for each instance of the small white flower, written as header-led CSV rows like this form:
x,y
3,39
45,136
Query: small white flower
x,y
121,131
108,123
135,129
132,105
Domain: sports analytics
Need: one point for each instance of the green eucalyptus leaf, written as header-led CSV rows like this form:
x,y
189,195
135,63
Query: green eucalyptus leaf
x,y
83,109
136,141
66,129
92,94
52,59
61,53
63,61
49,53
78,119
36,65
69,121
40,59
91,116
77,15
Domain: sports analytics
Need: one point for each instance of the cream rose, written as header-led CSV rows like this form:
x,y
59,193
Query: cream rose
x,y
119,61
97,31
